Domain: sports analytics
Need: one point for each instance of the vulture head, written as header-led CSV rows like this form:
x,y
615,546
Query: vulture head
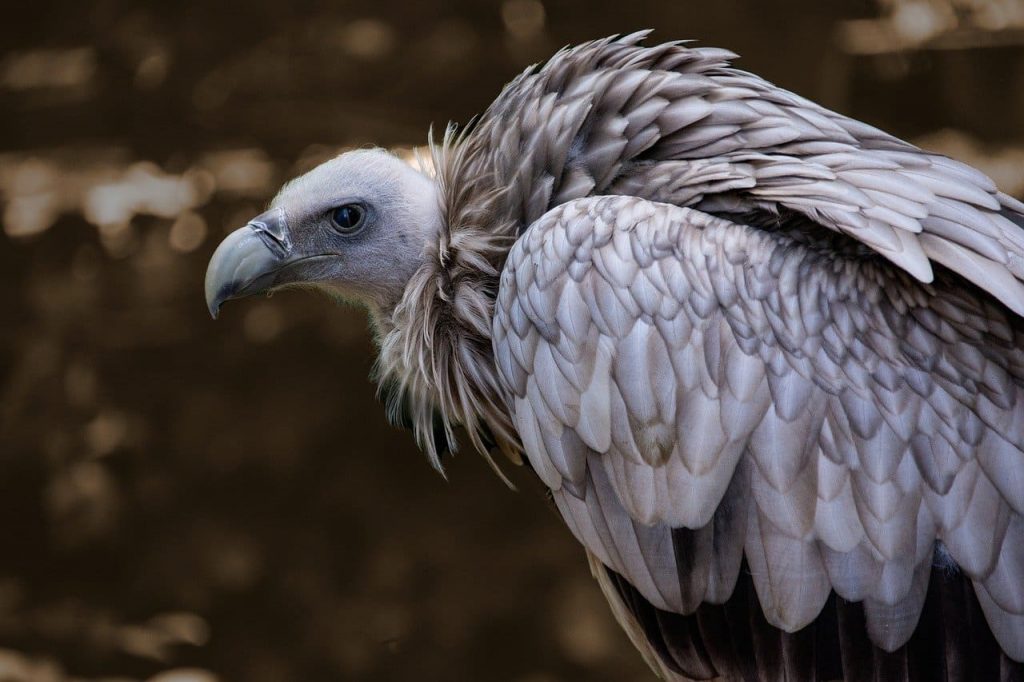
x,y
355,226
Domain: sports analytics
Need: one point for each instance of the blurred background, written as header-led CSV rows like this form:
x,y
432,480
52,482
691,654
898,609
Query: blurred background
x,y
189,501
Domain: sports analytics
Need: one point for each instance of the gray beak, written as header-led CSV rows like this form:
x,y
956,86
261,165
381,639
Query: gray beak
x,y
247,262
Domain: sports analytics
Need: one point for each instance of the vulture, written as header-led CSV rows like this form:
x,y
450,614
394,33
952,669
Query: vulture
x,y
768,359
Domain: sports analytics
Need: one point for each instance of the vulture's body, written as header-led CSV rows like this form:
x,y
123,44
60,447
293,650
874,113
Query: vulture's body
x,y
769,360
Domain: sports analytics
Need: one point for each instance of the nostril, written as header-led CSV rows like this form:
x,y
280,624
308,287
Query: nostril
x,y
272,228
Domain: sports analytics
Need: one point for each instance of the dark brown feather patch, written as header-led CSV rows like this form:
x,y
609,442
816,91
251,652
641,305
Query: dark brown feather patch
x,y
733,641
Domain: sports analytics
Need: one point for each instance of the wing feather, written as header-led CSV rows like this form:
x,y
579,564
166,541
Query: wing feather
x,y
729,141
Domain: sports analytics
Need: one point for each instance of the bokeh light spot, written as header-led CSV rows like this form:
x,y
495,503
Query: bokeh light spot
x,y
185,675
524,19
106,432
48,68
187,233
263,323
368,39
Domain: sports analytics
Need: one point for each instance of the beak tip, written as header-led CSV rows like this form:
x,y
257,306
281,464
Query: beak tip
x,y
243,264
215,299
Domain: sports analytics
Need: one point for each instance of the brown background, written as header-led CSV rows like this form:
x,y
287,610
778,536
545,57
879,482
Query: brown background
x,y
178,494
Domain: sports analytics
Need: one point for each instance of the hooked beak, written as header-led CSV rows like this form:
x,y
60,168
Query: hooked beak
x,y
249,259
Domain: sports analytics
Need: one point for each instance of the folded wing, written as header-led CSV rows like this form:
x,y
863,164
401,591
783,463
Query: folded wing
x,y
698,393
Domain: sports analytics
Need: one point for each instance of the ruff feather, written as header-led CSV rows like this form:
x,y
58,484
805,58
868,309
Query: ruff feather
x,y
436,342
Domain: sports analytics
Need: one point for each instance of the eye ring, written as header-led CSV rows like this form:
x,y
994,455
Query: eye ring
x,y
348,218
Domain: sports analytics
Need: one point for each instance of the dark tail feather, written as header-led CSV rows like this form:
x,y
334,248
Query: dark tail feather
x,y
951,644
675,638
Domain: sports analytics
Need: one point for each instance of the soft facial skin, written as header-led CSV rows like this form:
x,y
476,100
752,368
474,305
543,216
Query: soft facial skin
x,y
355,226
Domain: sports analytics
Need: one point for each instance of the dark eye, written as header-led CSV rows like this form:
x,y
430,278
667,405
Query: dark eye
x,y
348,217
